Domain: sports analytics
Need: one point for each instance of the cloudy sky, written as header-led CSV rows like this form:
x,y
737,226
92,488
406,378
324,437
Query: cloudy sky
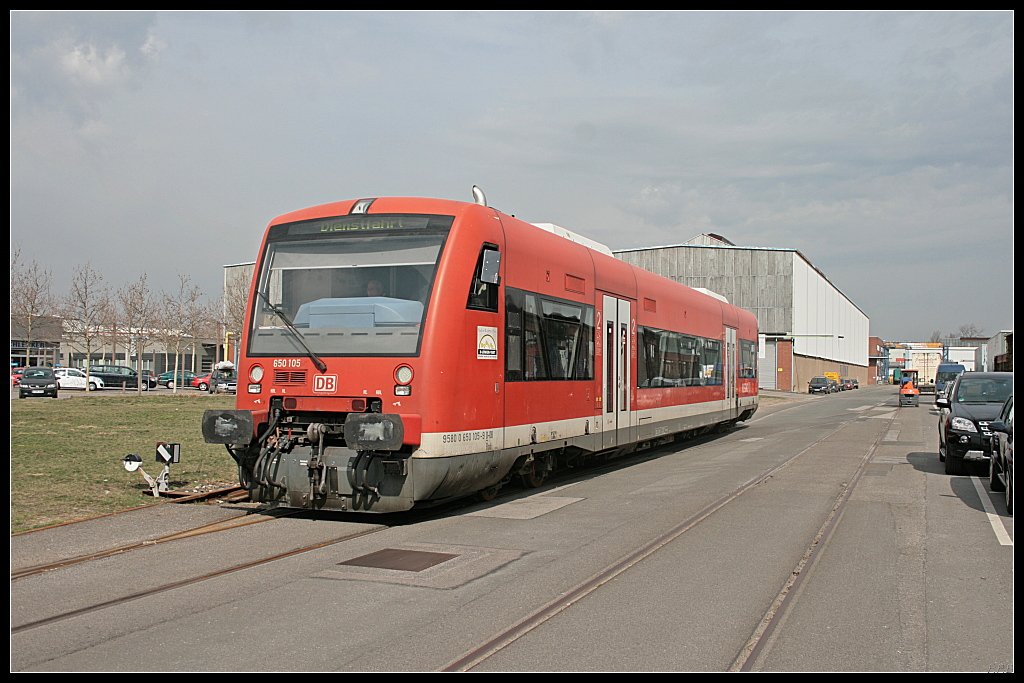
x,y
880,145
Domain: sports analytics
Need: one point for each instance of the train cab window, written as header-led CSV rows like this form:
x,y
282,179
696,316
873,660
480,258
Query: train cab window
x,y
356,292
483,295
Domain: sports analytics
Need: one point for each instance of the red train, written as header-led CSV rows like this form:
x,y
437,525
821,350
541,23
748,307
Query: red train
x,y
407,351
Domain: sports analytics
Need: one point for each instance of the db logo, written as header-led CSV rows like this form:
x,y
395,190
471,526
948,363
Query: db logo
x,y
325,383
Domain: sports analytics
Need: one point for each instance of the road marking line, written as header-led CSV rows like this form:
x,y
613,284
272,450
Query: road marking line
x,y
993,517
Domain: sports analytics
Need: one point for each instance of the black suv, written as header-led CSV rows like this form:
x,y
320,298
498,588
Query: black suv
x,y
819,385
116,376
964,416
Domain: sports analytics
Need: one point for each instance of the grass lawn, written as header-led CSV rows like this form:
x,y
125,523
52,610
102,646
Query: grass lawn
x,y
66,454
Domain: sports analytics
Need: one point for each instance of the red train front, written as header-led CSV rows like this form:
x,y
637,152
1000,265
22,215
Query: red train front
x,y
405,351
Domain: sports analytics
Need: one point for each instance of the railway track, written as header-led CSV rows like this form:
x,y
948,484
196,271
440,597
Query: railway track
x,y
124,599
213,527
476,657
759,639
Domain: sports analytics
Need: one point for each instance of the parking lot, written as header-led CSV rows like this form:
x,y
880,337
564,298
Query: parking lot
x,y
65,394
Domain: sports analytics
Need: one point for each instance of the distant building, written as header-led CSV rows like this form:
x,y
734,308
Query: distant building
x,y
50,345
878,361
35,344
997,352
808,326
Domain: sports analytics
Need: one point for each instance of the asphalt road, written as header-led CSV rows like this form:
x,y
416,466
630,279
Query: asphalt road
x,y
822,535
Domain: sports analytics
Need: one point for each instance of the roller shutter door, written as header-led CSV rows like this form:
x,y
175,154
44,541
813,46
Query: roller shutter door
x,y
767,367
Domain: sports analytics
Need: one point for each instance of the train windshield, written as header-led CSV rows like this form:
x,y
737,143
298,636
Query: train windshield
x,y
346,286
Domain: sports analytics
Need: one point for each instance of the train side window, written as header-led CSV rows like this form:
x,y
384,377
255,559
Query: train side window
x,y
513,335
533,338
711,358
672,359
547,339
748,360
483,294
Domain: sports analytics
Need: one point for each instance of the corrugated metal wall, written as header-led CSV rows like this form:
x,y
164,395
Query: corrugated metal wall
x,y
759,280
825,323
787,294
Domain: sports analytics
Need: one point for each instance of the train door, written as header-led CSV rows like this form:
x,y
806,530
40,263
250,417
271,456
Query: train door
x,y
616,381
730,362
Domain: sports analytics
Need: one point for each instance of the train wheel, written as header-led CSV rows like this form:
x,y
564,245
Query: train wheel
x,y
534,476
488,494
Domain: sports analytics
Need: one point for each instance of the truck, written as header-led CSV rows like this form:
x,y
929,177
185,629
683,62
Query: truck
x,y
926,362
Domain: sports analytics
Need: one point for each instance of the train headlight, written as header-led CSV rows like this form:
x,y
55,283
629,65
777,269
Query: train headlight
x,y
256,373
403,374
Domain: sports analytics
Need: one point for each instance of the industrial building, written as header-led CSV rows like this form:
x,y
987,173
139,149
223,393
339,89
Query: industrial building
x,y
808,326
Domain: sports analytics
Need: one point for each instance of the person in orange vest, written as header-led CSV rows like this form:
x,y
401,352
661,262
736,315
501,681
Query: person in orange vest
x,y
909,394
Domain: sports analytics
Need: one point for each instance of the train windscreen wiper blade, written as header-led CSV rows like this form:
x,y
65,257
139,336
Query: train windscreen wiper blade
x,y
320,365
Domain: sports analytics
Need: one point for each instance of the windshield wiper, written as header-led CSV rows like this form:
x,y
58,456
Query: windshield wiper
x,y
320,365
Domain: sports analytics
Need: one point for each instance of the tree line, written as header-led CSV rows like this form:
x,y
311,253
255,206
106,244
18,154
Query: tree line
x,y
132,316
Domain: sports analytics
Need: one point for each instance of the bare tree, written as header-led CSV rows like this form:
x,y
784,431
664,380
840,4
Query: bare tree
x,y
969,330
180,307
110,327
936,336
164,328
85,310
235,302
198,323
31,300
134,302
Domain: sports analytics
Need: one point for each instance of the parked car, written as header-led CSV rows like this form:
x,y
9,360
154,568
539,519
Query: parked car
x,y
848,384
184,379
856,383
833,386
116,376
223,381
73,378
16,375
818,385
1000,469
37,382
202,382
975,400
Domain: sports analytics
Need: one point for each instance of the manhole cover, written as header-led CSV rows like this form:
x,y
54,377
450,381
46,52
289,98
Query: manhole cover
x,y
403,560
